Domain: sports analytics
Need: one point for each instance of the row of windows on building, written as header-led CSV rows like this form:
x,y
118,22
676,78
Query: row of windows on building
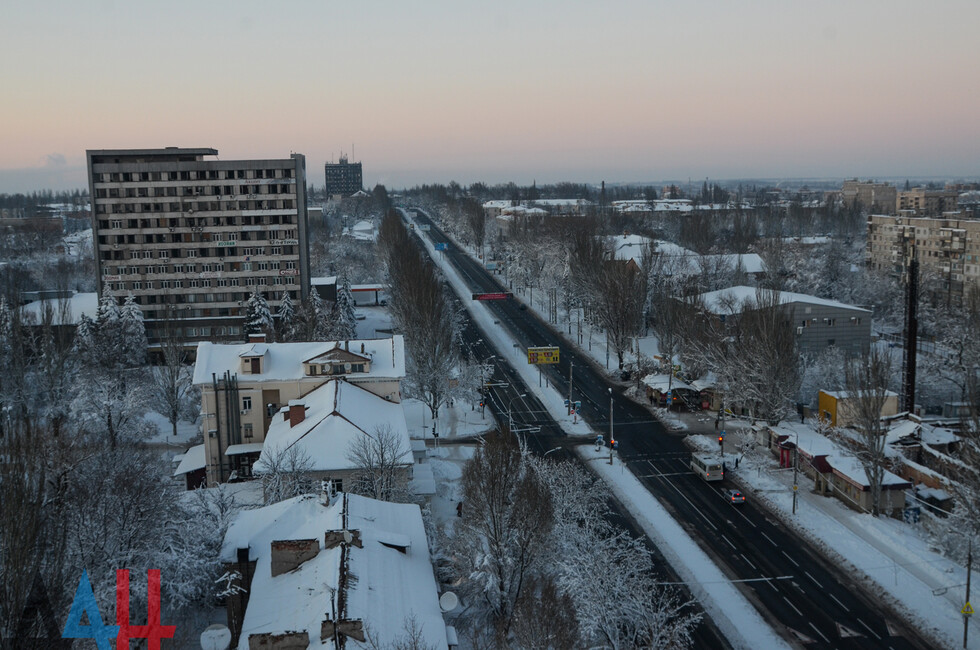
x,y
195,237
195,206
229,191
219,267
169,253
250,281
191,175
184,307
199,222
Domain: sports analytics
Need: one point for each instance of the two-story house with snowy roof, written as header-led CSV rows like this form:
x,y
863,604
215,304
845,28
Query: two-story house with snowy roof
x,y
244,386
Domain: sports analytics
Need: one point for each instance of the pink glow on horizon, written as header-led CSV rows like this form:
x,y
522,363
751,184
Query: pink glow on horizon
x,y
634,91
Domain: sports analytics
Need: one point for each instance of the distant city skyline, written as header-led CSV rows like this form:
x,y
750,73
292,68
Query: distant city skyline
x,y
628,91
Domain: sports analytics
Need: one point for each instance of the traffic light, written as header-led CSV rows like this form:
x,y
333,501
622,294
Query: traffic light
x,y
481,403
721,440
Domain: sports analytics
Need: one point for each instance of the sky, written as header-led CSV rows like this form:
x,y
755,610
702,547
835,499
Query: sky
x,y
545,91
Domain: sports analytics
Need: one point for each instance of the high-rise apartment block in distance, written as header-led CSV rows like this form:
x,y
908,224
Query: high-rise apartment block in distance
x,y
947,247
343,178
192,237
877,197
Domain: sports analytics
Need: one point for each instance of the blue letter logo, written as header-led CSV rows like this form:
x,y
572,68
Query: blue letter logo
x,y
84,603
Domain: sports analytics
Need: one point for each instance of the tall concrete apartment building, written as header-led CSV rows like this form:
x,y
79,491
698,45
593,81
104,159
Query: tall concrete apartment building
x,y
343,178
878,197
191,236
923,202
947,247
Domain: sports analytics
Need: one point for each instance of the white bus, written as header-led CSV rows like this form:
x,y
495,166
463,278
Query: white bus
x,y
708,468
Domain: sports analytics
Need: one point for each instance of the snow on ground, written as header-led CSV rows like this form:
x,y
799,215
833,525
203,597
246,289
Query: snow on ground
x,y
447,467
376,324
461,420
891,557
186,431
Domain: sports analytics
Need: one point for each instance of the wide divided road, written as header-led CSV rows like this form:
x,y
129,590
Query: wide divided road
x,y
812,602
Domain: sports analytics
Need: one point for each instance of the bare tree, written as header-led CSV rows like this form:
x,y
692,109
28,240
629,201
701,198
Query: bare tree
x,y
507,518
285,473
382,462
423,311
172,378
866,379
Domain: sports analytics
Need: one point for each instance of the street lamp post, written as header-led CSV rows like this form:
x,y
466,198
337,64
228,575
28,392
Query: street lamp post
x,y
796,468
612,440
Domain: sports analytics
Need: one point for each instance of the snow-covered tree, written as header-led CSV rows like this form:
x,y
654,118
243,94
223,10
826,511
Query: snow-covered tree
x,y
343,324
380,470
867,380
258,316
285,473
171,386
132,344
507,519
286,317
316,318
107,342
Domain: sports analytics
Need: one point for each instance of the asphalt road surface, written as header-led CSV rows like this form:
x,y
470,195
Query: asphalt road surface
x,y
811,602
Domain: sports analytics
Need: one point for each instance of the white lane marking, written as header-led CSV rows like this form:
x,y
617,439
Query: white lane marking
x,y
789,558
793,606
683,496
839,603
734,548
814,579
819,632
770,540
749,561
875,634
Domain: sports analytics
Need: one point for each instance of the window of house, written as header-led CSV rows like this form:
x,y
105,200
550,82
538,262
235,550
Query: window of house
x,y
247,430
247,399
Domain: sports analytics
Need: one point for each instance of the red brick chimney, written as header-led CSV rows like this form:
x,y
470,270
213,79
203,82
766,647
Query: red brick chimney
x,y
297,412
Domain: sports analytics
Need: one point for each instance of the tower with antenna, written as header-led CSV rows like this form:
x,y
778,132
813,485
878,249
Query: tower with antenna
x,y
343,178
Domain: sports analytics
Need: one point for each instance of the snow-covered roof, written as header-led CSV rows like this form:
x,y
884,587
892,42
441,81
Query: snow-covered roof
x,y
901,429
813,444
323,280
243,448
843,394
717,302
193,459
78,305
337,414
628,247
284,361
851,469
932,435
498,204
391,586
661,383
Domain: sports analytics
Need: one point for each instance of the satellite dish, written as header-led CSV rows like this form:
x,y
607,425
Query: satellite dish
x,y
216,637
448,601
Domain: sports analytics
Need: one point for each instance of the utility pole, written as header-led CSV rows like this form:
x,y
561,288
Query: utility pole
x,y
796,467
612,440
966,607
571,404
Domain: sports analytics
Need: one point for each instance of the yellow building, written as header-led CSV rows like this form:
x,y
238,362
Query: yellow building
x,y
836,407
